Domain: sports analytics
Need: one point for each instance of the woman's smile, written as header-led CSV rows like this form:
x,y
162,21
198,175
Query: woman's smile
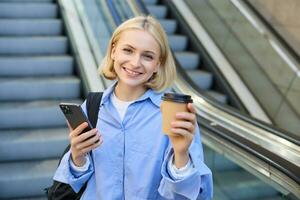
x,y
131,73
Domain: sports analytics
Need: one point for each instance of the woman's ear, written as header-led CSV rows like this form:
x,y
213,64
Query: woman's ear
x,y
112,53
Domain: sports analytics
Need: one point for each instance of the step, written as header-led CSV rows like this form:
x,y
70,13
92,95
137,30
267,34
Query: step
x,y
32,27
35,114
36,66
158,11
202,79
221,98
33,45
178,42
26,179
28,10
188,60
169,25
20,89
48,143
240,184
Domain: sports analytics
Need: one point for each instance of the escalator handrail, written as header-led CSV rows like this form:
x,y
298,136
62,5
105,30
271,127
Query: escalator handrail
x,y
114,12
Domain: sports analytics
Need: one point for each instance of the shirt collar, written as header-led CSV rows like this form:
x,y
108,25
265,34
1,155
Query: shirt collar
x,y
154,96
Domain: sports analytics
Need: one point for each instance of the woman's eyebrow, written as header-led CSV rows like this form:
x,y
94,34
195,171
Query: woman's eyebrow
x,y
130,46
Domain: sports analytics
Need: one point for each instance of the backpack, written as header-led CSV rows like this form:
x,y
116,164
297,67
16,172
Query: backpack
x,y
62,191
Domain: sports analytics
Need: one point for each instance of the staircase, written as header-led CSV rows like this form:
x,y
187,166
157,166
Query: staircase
x,y
231,182
189,59
36,73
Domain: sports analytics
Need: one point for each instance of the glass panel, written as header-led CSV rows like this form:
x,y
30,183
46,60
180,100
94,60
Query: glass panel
x,y
232,182
273,82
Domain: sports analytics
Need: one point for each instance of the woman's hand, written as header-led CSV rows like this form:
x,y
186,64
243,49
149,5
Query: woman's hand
x,y
183,130
83,142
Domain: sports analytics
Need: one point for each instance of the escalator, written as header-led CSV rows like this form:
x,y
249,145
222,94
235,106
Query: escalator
x,y
225,133
38,70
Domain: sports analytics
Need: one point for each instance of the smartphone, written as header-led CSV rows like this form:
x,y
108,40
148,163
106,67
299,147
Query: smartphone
x,y
75,115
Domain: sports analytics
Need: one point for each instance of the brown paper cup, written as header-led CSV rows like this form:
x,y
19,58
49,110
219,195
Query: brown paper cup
x,y
172,104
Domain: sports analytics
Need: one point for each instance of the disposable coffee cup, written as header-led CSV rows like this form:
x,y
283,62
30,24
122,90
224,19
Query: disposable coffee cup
x,y
172,104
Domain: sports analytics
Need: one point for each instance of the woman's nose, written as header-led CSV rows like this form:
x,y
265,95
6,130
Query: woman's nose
x,y
136,60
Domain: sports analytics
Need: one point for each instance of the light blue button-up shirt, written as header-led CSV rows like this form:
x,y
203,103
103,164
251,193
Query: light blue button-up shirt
x,y
132,161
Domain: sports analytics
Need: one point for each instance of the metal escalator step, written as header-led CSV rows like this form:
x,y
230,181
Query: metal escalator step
x,y
188,60
36,66
169,25
26,179
202,79
34,114
28,10
32,27
20,89
159,11
240,184
178,42
222,98
48,143
33,45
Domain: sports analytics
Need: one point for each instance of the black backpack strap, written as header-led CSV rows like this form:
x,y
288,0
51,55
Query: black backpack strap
x,y
93,105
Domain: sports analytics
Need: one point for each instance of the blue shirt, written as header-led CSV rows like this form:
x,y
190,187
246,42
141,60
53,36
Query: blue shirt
x,y
132,161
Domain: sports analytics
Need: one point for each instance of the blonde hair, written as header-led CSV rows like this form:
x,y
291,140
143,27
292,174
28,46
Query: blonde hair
x,y
166,73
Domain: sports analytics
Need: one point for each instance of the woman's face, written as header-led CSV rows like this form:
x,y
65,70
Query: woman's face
x,y
136,57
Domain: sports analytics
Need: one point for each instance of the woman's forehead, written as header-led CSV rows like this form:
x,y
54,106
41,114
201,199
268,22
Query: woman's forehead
x,y
139,39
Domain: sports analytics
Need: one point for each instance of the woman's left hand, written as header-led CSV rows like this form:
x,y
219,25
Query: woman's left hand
x,y
183,130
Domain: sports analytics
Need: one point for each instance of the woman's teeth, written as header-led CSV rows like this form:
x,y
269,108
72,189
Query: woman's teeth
x,y
131,72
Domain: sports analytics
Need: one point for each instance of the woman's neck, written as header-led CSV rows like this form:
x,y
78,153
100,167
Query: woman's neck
x,y
128,93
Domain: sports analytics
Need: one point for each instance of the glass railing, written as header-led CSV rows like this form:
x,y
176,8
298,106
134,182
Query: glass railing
x,y
269,73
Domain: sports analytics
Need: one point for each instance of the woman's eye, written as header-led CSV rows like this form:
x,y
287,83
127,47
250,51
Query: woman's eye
x,y
148,57
126,50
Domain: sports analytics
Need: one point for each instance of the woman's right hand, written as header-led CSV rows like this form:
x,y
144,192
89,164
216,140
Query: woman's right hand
x,y
83,142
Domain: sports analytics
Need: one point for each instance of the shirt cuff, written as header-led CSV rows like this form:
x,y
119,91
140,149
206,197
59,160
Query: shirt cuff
x,y
83,168
181,173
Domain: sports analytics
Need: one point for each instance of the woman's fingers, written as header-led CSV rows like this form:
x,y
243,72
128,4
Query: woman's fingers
x,y
88,142
79,129
184,125
186,116
191,108
91,147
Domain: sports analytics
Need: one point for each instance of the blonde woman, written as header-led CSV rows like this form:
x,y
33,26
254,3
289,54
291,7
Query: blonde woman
x,y
133,159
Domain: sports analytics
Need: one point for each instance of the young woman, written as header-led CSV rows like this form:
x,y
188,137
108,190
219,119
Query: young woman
x,y
133,159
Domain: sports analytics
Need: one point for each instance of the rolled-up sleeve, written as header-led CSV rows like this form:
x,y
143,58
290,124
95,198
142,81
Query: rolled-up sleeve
x,y
198,185
66,174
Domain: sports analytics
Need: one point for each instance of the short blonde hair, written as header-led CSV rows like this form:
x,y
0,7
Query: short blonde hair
x,y
166,73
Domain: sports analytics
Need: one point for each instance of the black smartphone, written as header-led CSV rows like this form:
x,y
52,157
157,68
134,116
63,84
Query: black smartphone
x,y
75,115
